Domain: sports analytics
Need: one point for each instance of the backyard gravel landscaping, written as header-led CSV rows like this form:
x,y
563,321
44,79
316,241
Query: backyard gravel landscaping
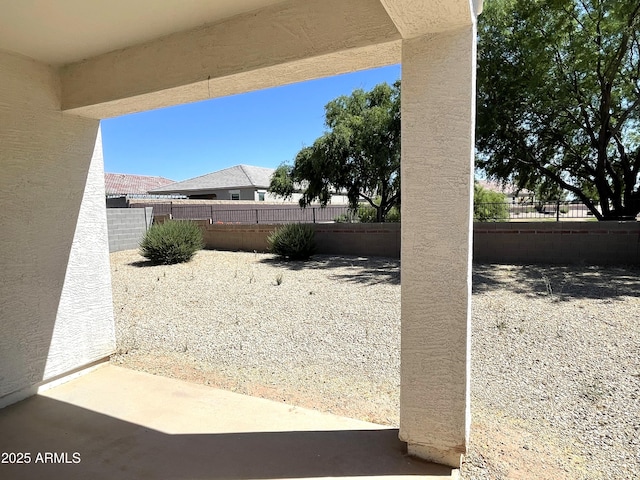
x,y
555,350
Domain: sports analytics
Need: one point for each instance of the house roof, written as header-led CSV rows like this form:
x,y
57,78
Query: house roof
x,y
122,183
239,176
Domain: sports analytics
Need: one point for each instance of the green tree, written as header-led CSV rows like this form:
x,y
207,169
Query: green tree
x,y
358,154
489,205
559,98
549,191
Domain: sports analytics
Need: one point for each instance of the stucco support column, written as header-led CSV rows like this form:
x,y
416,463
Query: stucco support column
x,y
438,110
56,310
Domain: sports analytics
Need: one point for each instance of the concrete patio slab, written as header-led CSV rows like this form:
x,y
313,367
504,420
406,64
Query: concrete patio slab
x,y
115,423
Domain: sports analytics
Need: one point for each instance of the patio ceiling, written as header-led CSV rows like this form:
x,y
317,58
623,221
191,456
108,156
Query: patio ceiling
x,y
66,31
121,56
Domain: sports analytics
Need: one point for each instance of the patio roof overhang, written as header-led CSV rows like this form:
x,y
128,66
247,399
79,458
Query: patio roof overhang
x,y
118,57
66,64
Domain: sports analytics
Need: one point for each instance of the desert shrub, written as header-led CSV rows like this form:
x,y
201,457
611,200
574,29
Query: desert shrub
x,y
367,214
489,205
345,218
171,242
295,241
393,216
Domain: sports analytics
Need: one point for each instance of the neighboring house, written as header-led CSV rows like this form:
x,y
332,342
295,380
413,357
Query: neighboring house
x,y
125,184
240,182
119,187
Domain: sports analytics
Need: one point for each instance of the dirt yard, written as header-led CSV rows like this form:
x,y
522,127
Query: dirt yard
x,y
555,369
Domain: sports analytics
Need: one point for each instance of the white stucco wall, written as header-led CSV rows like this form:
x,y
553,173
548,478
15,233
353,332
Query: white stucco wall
x,y
438,111
56,312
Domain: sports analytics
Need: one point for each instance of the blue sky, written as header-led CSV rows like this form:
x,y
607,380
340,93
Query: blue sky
x,y
263,128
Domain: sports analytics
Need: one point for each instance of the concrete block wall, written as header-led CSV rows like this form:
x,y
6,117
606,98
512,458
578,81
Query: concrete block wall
x,y
246,238
601,243
127,227
563,243
370,239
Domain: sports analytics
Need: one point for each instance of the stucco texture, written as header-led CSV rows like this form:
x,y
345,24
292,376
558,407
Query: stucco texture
x,y
437,166
56,311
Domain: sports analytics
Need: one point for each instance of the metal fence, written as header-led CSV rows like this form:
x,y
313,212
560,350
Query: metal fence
x,y
266,214
277,214
555,210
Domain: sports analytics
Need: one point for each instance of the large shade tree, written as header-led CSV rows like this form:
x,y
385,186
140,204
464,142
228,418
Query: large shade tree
x,y
559,98
359,153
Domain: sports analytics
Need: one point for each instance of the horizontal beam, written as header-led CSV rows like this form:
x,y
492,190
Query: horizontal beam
x,y
255,48
283,74
415,18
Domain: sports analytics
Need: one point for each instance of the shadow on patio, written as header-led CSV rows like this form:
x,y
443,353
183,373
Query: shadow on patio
x,y
126,424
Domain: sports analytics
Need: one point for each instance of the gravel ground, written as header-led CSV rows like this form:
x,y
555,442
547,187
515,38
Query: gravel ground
x,y
555,350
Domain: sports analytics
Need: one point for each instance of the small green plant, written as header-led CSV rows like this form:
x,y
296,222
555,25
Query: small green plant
x,y
346,218
394,215
555,294
294,241
594,391
171,242
547,284
368,214
279,279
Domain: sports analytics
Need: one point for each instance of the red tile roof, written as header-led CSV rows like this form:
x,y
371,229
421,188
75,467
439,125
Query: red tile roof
x,y
121,183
